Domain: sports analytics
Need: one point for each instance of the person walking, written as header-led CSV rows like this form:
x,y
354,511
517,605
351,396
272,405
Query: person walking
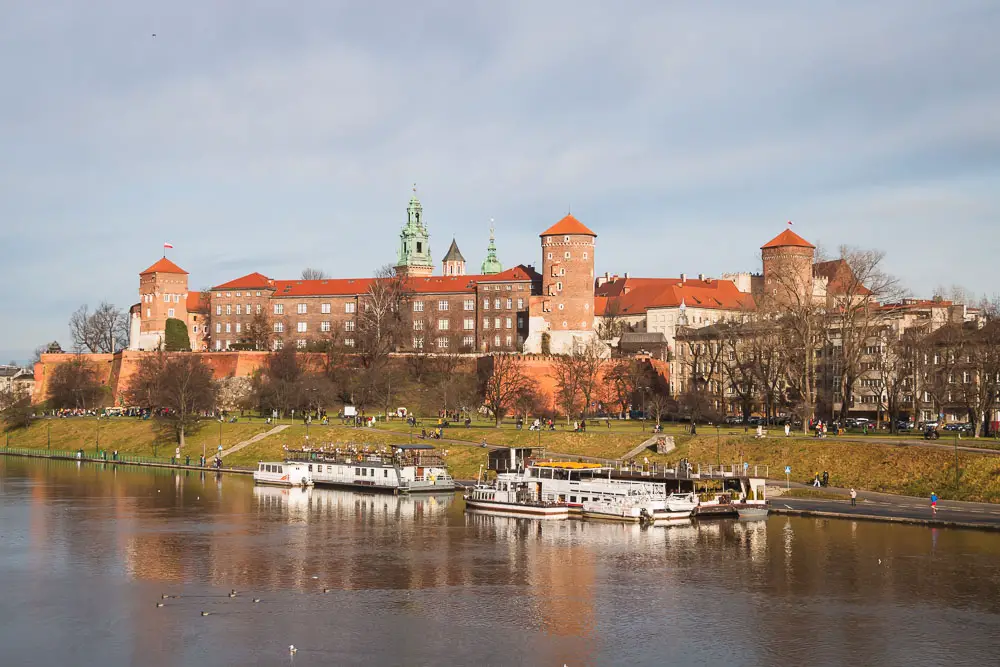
x,y
934,500
788,429
854,497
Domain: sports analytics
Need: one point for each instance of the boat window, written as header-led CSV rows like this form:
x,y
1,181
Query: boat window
x,y
385,473
281,468
310,467
357,471
372,472
572,499
364,472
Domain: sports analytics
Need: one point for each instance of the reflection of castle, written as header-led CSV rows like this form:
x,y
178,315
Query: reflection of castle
x,y
495,310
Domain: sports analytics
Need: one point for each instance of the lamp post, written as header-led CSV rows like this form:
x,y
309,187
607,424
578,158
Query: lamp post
x,y
718,444
645,405
956,460
48,433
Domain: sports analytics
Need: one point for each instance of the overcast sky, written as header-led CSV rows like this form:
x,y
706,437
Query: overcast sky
x,y
270,136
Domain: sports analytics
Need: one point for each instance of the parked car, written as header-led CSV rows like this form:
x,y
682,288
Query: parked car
x,y
905,426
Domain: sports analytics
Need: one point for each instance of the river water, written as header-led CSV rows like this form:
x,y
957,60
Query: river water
x,y
86,553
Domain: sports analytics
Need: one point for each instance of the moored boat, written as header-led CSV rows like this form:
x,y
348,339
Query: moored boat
x,y
510,495
284,473
752,511
620,508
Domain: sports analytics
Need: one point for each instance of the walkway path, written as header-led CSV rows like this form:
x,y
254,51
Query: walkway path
x,y
888,507
260,436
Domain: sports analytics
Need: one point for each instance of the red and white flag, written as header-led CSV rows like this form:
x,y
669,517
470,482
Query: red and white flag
x,y
789,224
171,245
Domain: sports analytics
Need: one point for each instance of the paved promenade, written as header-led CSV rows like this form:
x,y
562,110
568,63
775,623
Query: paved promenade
x,y
887,507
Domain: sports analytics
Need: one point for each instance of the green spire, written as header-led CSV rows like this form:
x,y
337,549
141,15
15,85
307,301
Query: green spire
x,y
491,265
414,254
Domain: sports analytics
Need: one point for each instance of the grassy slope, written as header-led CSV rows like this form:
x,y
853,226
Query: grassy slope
x,y
877,467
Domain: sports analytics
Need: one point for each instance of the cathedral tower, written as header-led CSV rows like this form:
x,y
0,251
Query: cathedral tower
x,y
453,263
491,265
414,257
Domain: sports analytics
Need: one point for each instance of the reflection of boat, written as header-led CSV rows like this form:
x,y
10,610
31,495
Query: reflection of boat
x,y
407,469
294,498
510,494
752,511
285,473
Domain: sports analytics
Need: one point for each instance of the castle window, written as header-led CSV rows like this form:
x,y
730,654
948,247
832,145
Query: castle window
x,y
218,310
349,325
420,246
510,304
564,324
229,309
238,327
585,255
219,295
566,239
349,342
509,341
278,344
418,306
239,309
548,256
469,324
418,325
258,309
559,286
496,340
195,329
418,342
229,327
170,312
279,309
566,255
300,343
349,307
218,327
301,327
324,325
470,304
218,345
239,294
508,288
442,325
486,323
520,304
496,304
279,327
468,341
324,308
258,293
486,304
496,323
248,309
166,298
228,294
561,306
508,322
442,305
149,312
443,343
300,309
520,323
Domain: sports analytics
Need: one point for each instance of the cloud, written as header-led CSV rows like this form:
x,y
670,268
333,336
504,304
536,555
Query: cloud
x,y
261,137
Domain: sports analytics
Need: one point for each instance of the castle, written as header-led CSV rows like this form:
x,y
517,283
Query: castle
x,y
495,310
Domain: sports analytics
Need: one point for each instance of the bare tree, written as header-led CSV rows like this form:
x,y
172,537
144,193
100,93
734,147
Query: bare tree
x,y
380,320
566,373
611,324
103,331
74,384
179,387
624,378
857,286
259,331
891,362
310,273
503,381
738,362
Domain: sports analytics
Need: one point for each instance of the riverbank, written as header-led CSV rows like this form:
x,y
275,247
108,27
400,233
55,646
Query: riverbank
x,y
122,460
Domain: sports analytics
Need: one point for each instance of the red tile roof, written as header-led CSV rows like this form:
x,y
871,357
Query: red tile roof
x,y
787,238
163,265
249,281
669,293
516,273
196,304
328,287
568,225
840,278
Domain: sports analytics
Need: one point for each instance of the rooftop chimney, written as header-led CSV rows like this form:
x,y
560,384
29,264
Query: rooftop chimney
x,y
684,277
701,277
626,275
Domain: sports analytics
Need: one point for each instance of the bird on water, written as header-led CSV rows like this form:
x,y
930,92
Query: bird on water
x,y
292,649
205,613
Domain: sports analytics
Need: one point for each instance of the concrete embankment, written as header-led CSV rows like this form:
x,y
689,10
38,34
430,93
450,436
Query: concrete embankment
x,y
122,461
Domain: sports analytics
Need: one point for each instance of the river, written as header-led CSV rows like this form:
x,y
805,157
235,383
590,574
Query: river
x,y
86,553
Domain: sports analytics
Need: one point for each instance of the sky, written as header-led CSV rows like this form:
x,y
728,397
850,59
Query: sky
x,y
272,136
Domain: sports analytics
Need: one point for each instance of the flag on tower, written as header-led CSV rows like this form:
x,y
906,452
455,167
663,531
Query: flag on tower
x,y
171,245
789,224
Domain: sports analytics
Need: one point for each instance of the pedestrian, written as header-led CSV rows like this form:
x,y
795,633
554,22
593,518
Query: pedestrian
x,y
934,500
816,480
854,497
788,429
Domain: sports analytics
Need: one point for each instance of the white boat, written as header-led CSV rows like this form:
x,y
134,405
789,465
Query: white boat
x,y
682,502
404,469
283,473
752,511
621,508
512,495
577,483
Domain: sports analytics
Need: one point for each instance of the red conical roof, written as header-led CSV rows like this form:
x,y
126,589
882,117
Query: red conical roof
x,y
568,225
164,265
787,238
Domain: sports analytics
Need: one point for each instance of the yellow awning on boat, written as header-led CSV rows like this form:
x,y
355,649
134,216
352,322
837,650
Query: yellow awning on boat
x,y
572,465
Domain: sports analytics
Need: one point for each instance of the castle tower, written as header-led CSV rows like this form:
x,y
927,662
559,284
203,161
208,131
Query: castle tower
x,y
788,269
453,263
414,257
565,310
491,265
163,293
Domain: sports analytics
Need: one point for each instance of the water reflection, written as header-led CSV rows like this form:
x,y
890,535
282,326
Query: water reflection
x,y
457,587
